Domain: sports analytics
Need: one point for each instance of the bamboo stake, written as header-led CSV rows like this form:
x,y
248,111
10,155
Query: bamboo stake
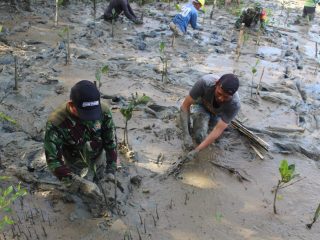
x,y
56,17
68,45
257,152
255,139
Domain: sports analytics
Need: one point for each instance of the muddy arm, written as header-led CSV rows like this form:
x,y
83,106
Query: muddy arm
x,y
213,135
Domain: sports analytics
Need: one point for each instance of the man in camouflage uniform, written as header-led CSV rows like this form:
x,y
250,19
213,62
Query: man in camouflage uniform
x,y
252,15
80,141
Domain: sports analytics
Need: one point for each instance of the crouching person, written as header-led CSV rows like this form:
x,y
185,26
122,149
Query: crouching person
x,y
215,103
80,144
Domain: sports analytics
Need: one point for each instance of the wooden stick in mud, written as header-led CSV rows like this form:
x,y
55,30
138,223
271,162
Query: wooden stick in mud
x,y
258,87
94,9
15,73
254,139
56,17
257,152
240,41
68,45
231,170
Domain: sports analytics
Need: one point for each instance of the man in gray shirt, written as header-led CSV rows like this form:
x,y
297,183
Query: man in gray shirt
x,y
212,99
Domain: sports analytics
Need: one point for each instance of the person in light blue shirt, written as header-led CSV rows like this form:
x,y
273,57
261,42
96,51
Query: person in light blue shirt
x,y
188,14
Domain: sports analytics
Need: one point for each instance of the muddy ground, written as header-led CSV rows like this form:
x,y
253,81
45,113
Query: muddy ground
x,y
204,202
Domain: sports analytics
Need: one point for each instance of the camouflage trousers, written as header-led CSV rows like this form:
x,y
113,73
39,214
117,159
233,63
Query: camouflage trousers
x,y
202,122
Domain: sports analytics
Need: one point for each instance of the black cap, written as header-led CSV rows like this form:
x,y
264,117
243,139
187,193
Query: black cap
x,y
229,83
86,98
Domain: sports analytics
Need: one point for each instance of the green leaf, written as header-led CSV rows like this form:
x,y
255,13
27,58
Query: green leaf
x,y
286,171
113,11
60,2
218,217
254,70
84,172
4,178
1,28
7,209
7,118
162,46
8,220
7,191
178,8
279,197
105,69
143,99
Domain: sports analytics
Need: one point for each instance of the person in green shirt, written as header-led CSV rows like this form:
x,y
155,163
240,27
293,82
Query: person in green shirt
x,y
80,144
309,8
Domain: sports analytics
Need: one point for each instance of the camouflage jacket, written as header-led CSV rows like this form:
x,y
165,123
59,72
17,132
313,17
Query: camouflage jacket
x,y
69,138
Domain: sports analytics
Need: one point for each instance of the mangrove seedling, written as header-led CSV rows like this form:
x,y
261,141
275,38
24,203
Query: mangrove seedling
x,y
315,217
102,70
253,74
287,173
7,197
64,34
164,60
113,20
127,113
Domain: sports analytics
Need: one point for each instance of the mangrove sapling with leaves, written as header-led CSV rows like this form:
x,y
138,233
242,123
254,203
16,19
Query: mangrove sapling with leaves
x,y
315,217
164,60
102,70
127,113
287,173
64,34
7,197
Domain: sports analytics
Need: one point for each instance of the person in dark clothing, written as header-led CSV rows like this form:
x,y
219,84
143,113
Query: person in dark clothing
x,y
251,16
120,6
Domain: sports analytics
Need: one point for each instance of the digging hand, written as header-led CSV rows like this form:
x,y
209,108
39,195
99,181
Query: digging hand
x,y
191,155
87,188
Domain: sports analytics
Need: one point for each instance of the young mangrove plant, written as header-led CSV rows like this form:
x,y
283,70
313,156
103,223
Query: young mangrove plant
x,y
315,217
127,113
64,34
164,60
253,74
7,197
287,173
102,70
